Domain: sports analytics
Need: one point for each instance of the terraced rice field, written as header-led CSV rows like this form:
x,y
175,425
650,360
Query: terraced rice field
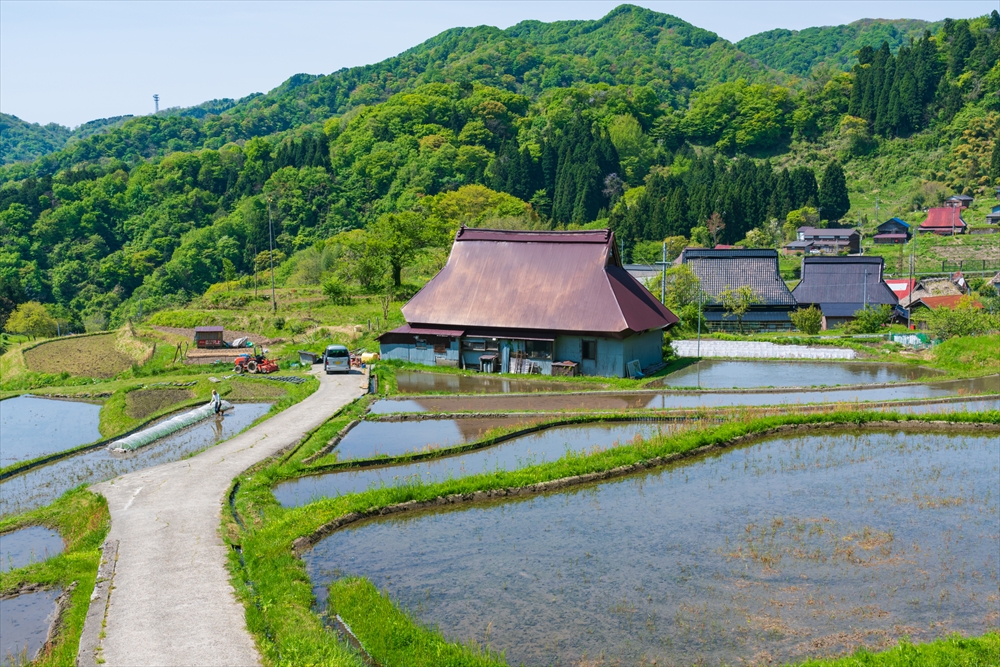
x,y
89,356
144,402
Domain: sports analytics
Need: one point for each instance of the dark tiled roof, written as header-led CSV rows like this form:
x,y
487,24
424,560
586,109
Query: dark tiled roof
x,y
829,280
815,232
719,269
892,222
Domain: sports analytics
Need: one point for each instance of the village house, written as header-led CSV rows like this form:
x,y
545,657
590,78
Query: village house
x,y
720,269
533,302
934,286
958,201
943,221
841,286
892,230
928,304
993,217
831,241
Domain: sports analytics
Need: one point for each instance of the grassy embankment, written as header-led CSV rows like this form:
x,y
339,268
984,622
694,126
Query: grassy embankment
x,y
289,632
82,519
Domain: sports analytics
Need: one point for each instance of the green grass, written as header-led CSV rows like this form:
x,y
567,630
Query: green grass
x,y
82,519
954,651
285,626
973,355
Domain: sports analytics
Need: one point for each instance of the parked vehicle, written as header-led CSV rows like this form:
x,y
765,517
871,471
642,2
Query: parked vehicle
x,y
254,363
336,359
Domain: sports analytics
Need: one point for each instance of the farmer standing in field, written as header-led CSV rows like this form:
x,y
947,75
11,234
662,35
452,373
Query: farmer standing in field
x,y
216,402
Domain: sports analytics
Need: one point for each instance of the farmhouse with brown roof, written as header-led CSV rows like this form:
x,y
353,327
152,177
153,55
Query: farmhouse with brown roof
x,y
533,302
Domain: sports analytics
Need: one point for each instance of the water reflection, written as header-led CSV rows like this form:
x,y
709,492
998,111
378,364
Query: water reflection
x,y
34,426
41,486
790,548
413,382
24,625
719,374
28,545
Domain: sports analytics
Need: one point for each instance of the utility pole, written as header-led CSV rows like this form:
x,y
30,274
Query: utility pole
x,y
156,103
909,295
270,242
663,275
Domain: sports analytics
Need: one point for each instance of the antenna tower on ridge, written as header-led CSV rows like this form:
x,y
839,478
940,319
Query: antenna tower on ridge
x,y
156,101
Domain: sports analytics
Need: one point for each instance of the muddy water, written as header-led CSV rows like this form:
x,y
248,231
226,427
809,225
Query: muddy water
x,y
789,548
28,545
531,449
41,486
24,625
370,439
718,374
34,426
417,382
634,400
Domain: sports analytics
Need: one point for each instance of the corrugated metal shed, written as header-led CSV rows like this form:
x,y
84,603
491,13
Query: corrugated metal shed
x,y
847,280
719,269
551,281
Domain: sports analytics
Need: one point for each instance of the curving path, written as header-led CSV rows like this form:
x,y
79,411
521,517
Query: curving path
x,y
170,599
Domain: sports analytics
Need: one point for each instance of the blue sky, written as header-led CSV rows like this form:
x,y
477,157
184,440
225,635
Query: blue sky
x,y
70,62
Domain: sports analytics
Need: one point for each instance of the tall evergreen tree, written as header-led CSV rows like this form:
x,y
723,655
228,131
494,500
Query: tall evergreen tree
x,y
995,162
833,199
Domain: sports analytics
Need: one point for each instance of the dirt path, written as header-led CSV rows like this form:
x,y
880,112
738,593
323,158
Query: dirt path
x,y
170,600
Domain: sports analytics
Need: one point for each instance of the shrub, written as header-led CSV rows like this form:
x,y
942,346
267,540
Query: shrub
x,y
807,320
870,319
336,291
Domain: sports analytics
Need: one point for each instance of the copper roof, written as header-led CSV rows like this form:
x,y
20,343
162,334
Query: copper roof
x,y
551,281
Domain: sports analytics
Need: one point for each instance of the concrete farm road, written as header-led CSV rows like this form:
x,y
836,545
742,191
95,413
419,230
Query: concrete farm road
x,y
170,601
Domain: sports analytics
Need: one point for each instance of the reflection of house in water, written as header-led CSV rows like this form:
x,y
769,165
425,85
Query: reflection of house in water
x,y
532,302
720,269
841,286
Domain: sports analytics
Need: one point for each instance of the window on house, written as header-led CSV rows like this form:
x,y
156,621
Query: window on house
x,y
474,345
538,349
590,350
420,344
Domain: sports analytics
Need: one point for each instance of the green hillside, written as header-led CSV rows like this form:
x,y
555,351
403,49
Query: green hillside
x,y
23,141
798,52
639,121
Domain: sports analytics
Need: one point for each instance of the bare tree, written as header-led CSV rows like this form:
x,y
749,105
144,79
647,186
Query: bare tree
x,y
715,225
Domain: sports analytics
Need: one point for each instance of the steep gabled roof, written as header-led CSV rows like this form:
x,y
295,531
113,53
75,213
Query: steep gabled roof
x,y
894,221
719,269
853,280
943,218
551,281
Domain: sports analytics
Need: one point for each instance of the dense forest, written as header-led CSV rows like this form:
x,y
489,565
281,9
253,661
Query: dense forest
x,y
638,120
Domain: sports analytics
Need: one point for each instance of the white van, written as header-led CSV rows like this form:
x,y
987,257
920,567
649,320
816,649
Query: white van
x,y
336,359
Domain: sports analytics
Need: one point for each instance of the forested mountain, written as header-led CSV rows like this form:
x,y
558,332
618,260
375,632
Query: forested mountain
x,y
799,51
638,120
20,140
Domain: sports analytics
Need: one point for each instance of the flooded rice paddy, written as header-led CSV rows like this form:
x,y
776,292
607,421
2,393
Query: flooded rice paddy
x,y
806,545
33,426
42,485
28,545
369,439
24,625
525,450
718,374
415,382
663,400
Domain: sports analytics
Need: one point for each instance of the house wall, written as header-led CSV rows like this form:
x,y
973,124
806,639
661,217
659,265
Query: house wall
x,y
423,354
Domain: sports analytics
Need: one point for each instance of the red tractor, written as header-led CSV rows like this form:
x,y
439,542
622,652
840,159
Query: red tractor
x,y
254,363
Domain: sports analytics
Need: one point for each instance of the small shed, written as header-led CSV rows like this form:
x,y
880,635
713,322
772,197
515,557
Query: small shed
x,y
958,201
892,230
210,336
993,217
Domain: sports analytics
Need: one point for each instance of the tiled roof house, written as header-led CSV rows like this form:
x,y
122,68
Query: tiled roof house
x,y
841,286
719,269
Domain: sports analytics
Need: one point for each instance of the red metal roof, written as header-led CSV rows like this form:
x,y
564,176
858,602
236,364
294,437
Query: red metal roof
x,y
546,281
946,301
901,288
941,218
